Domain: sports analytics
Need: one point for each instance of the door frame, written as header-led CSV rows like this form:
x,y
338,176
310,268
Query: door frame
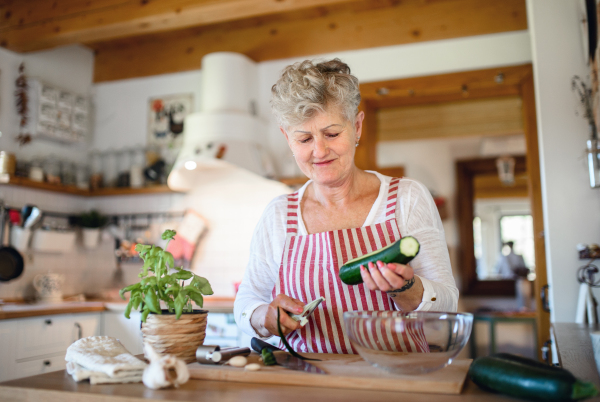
x,y
476,84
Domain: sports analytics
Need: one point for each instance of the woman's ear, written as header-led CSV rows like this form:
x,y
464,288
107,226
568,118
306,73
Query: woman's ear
x,y
284,133
358,124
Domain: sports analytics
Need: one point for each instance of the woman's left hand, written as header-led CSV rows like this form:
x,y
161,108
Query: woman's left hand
x,y
393,276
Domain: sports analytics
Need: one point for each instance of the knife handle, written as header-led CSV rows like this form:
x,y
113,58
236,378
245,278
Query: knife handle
x,y
258,345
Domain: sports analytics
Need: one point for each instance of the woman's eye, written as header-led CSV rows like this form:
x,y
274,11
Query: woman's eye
x,y
333,135
305,140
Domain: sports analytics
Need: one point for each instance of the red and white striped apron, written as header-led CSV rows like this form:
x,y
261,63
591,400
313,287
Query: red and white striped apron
x,y
309,269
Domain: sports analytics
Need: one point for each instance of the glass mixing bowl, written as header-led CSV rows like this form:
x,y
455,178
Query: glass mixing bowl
x,y
408,343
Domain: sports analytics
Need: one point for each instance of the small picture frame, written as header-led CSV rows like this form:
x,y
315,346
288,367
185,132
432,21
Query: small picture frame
x,y
166,115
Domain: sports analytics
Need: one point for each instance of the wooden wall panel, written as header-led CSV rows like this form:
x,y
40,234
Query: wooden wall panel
x,y
490,186
356,25
498,116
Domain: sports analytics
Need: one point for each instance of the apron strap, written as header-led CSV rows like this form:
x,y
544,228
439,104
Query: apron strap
x,y
392,196
292,214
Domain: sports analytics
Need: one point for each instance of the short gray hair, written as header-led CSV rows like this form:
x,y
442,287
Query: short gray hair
x,y
306,88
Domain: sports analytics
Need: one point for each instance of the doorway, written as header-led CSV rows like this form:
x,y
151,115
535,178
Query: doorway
x,y
507,84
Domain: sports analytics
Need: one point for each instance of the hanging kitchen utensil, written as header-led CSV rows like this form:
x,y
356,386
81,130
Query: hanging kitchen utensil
x,y
25,212
34,217
11,261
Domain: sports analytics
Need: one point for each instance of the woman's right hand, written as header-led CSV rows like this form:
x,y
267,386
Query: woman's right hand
x,y
264,318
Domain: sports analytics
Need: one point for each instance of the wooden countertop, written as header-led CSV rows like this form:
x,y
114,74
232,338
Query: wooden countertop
x,y
23,310
59,386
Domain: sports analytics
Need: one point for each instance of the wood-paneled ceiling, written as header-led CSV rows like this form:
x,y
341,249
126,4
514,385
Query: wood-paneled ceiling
x,y
134,38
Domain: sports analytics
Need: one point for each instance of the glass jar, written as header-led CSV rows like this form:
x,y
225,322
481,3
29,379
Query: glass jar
x,y
82,176
136,172
51,166
110,168
123,167
68,171
96,176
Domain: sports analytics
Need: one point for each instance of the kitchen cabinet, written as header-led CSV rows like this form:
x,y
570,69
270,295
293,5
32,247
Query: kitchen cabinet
x,y
127,331
30,346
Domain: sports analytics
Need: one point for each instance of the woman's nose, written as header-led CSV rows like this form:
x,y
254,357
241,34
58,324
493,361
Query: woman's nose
x,y
320,149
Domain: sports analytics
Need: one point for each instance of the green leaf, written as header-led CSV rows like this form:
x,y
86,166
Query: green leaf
x,y
150,280
128,289
168,258
128,308
183,275
152,302
145,314
142,248
197,298
155,251
203,285
168,234
180,302
136,301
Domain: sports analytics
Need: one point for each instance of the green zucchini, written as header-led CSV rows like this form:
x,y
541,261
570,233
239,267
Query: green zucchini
x,y
528,380
524,360
401,252
268,358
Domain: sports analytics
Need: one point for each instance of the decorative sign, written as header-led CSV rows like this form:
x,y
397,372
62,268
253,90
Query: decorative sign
x,y
165,119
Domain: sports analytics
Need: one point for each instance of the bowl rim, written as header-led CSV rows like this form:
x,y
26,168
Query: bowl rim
x,y
408,315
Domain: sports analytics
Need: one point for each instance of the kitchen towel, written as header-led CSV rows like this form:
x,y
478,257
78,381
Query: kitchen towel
x,y
98,357
80,373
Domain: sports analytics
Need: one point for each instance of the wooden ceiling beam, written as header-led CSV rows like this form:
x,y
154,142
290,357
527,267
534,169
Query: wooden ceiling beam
x,y
41,24
333,28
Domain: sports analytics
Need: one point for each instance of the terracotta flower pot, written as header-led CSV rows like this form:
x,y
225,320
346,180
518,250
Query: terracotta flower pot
x,y
177,337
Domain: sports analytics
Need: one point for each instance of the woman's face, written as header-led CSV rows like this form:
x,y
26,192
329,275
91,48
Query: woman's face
x,y
324,146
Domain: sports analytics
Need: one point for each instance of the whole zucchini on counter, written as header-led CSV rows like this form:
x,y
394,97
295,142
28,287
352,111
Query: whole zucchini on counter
x,y
528,379
401,252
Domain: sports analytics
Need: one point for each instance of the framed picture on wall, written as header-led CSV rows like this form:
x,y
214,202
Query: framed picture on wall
x,y
166,116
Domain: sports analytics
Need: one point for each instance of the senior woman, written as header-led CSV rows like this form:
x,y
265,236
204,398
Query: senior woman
x,y
342,212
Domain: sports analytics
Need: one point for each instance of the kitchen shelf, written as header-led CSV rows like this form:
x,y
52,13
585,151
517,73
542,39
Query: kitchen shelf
x,y
73,190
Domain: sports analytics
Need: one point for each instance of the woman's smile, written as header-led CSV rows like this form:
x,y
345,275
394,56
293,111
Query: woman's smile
x,y
324,163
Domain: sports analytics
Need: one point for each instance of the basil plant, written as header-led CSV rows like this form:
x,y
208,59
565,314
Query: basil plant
x,y
162,280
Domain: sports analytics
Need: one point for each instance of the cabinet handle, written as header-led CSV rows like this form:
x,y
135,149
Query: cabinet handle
x,y
47,363
79,330
48,322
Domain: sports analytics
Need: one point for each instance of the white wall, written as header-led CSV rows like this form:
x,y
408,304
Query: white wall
x,y
70,67
571,208
122,106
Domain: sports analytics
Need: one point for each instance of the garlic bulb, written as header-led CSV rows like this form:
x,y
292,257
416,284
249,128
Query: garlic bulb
x,y
164,371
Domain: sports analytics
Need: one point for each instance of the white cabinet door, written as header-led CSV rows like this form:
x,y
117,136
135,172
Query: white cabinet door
x,y
40,366
85,325
48,335
44,335
8,341
125,330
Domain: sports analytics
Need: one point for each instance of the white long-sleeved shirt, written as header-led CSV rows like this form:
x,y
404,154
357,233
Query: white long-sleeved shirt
x,y
416,215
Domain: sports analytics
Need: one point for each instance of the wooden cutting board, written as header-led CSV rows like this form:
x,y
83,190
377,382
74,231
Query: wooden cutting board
x,y
343,371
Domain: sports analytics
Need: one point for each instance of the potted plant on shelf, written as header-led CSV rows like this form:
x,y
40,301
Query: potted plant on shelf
x,y
178,329
92,222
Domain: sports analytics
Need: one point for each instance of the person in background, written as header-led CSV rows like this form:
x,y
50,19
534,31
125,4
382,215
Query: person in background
x,y
509,264
342,212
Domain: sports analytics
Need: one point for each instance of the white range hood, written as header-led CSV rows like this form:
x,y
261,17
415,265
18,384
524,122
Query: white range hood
x,y
226,134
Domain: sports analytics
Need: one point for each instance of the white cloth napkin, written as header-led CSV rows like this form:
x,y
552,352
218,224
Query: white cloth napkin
x,y
103,358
